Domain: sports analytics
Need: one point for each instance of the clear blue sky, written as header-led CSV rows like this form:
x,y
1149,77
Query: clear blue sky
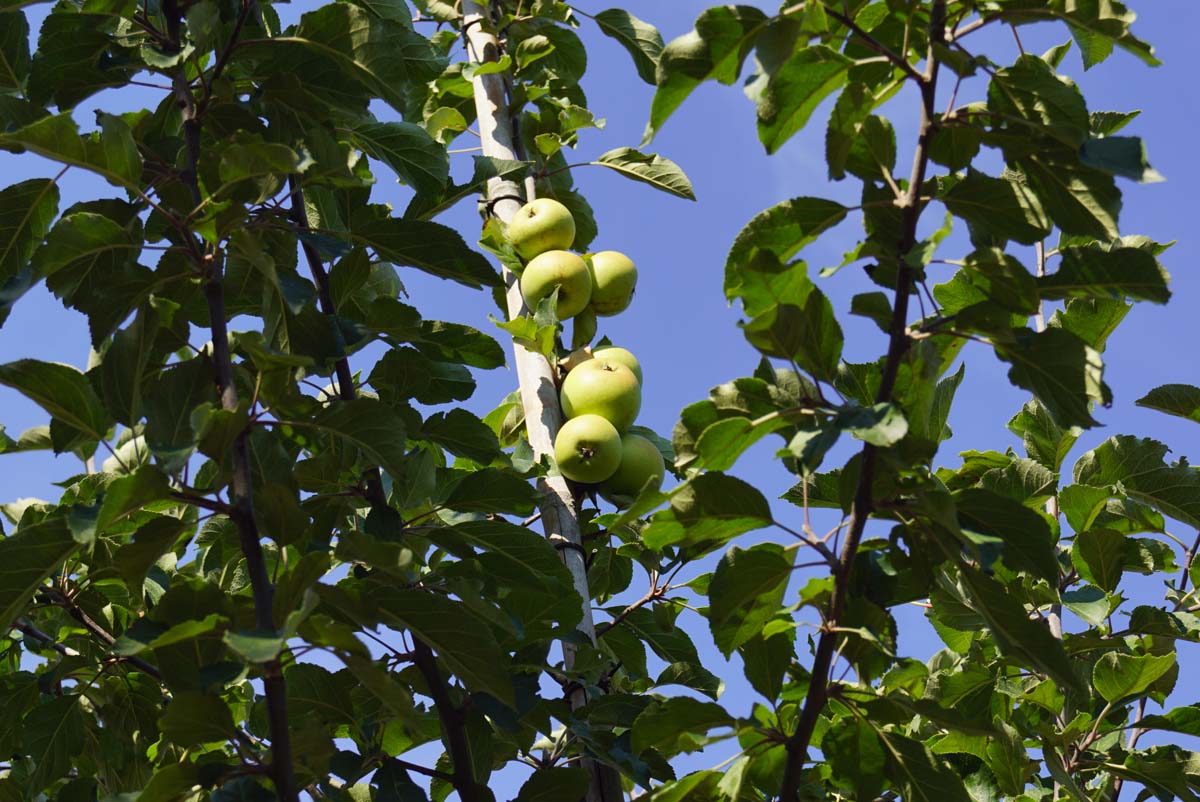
x,y
680,326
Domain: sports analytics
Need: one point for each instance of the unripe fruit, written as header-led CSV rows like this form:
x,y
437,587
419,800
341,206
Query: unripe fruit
x,y
583,328
605,388
615,354
614,278
587,449
641,464
562,269
539,226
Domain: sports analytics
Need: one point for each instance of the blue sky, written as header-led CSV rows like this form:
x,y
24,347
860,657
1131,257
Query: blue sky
x,y
681,327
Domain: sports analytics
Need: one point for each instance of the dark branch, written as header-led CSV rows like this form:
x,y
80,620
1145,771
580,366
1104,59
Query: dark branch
x,y
818,693
454,724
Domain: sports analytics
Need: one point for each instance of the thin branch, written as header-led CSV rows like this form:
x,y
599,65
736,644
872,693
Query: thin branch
x,y
100,633
867,39
26,628
818,692
454,724
656,592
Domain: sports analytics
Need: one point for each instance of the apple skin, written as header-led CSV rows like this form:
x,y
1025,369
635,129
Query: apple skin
x,y
605,388
587,449
539,226
614,278
583,328
641,462
562,269
622,355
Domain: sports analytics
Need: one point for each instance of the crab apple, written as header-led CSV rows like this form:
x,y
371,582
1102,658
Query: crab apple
x,y
641,464
621,355
539,226
583,328
587,449
605,388
561,270
614,278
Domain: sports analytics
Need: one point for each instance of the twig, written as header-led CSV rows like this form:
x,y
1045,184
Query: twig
x,y
656,591
867,39
863,504
454,724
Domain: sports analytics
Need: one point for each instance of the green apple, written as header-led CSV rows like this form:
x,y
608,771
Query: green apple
x,y
587,449
641,463
615,354
563,270
613,280
539,226
605,388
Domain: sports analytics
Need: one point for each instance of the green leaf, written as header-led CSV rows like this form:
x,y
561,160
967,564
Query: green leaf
x,y
794,91
640,38
77,56
1137,468
712,507
810,336
649,168
856,757
1099,272
1031,92
370,426
27,557
1005,209
1120,155
746,591
663,723
425,207
129,494
1099,556
1120,676
62,391
463,435
781,231
193,719
881,425
1022,534
53,735
430,247
1182,400
1092,320
1079,200
170,399
26,210
461,640
1185,720
1060,369
719,445
714,50
554,784
57,138
1044,440
14,51
408,150
1016,635
920,775
254,647
492,491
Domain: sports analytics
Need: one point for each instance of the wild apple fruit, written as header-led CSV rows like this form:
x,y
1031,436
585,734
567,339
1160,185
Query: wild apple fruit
x,y
587,449
605,388
613,280
641,464
563,270
583,328
539,226
615,354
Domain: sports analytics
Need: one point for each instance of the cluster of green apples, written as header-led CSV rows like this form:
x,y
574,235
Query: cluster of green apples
x,y
601,393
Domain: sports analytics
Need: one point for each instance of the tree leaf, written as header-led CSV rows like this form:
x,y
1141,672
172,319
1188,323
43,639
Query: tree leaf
x,y
130,493
1099,556
856,757
1024,535
14,51
26,210
192,719
1078,199
408,150
1182,400
461,640
462,434
1060,369
53,734
492,490
640,38
62,391
781,231
795,89
554,784
1120,155
1137,468
1120,676
372,427
711,508
57,138
663,723
920,775
1005,209
1103,273
649,168
27,557
714,50
430,247
746,591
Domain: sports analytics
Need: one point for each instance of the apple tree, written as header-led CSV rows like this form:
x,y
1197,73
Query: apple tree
x,y
288,561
